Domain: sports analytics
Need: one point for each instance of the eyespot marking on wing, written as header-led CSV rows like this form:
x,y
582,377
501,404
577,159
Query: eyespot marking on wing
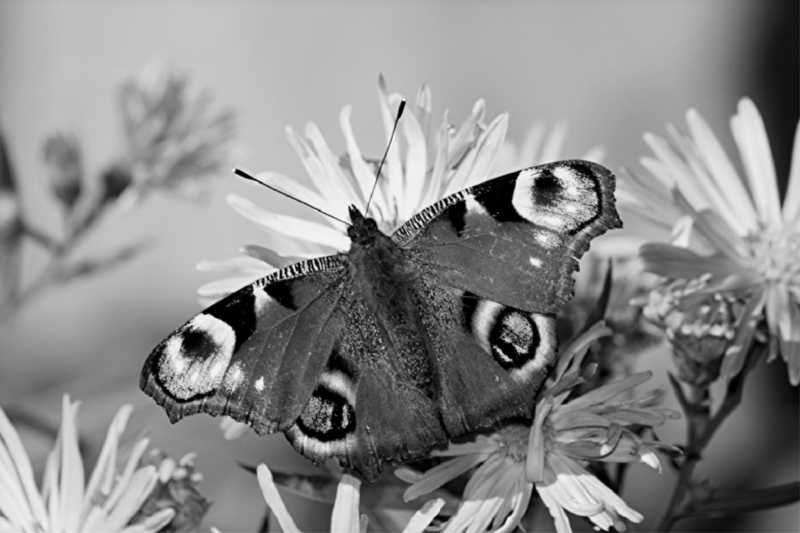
x,y
194,359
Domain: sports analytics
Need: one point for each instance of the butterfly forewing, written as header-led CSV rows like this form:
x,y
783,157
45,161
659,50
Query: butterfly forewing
x,y
255,355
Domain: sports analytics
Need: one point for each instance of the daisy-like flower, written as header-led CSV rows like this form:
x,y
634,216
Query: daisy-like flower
x,y
730,230
111,501
424,164
172,135
550,456
346,517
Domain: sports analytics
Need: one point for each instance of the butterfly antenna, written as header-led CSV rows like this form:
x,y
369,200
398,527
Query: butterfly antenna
x,y
378,174
245,175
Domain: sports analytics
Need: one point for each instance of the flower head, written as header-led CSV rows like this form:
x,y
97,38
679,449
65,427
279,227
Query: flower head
x,y
112,500
172,135
730,229
550,456
423,165
346,517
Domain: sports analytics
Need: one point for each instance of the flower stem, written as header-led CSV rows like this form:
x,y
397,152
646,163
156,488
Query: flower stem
x,y
702,426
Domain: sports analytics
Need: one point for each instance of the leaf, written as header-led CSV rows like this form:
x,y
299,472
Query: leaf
x,y
747,501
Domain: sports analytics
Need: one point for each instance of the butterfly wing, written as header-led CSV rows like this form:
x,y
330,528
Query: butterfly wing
x,y
499,258
255,355
299,352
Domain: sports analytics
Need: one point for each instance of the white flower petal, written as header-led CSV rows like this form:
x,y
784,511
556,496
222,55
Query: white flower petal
x,y
791,204
424,516
362,172
14,458
751,138
554,143
231,429
393,166
345,517
239,265
334,171
530,153
288,225
729,184
274,500
442,473
222,287
141,485
556,510
415,169
296,189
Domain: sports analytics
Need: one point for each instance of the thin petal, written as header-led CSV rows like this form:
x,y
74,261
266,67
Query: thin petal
x,y
607,392
728,182
556,511
555,141
751,138
362,172
680,263
345,517
274,500
424,516
153,523
333,170
791,204
239,265
393,166
294,188
103,473
141,485
415,169
18,460
442,473
288,225
271,257
529,148
520,508
534,463
223,287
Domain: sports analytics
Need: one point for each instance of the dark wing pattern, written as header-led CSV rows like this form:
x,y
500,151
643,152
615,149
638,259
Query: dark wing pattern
x,y
255,355
496,263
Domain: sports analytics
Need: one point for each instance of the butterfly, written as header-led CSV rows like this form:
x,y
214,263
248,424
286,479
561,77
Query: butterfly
x,y
404,342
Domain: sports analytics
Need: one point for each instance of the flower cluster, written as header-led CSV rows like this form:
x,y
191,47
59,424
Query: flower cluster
x,y
551,455
122,494
730,232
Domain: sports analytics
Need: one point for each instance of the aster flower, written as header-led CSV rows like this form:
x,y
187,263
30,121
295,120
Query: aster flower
x,y
729,227
550,456
111,501
172,135
346,517
423,165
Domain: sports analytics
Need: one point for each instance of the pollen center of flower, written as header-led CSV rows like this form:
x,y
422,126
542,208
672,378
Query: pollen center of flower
x,y
513,441
776,253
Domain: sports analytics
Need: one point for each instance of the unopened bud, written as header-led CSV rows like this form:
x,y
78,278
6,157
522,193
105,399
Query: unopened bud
x,y
700,326
115,181
62,154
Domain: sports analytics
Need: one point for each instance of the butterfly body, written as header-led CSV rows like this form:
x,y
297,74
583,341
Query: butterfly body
x,y
405,341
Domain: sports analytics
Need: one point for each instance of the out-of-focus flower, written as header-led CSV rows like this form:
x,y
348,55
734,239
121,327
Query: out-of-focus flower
x,y
114,181
550,455
62,154
732,230
11,230
539,146
176,489
346,517
111,501
173,136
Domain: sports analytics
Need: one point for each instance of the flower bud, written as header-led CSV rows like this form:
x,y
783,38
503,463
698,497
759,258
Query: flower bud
x,y
62,154
699,325
115,181
176,489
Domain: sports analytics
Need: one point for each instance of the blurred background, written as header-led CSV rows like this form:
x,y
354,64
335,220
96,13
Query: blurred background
x,y
611,70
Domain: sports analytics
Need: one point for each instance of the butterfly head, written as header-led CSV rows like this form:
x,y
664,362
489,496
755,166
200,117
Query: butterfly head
x,y
364,230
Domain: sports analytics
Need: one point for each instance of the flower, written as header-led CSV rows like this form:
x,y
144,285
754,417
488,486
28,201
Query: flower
x,y
172,135
62,154
111,501
550,456
177,490
537,147
730,228
346,517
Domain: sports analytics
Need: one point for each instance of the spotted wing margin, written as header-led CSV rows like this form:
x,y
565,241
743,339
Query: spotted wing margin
x,y
515,239
255,355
